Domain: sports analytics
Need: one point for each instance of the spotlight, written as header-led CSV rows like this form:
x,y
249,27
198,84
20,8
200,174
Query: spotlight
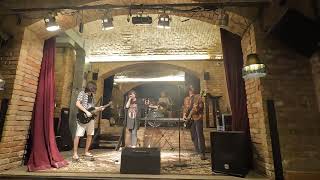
x,y
51,24
223,18
107,23
81,27
254,67
164,21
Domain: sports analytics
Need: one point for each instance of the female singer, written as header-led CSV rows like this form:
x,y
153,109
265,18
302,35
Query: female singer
x,y
132,123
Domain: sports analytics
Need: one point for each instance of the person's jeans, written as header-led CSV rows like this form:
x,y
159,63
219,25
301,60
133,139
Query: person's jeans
x,y
133,136
198,136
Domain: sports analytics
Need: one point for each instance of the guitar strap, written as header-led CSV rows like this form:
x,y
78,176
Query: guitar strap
x,y
191,106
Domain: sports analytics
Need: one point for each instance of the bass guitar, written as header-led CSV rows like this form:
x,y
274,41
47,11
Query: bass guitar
x,y
84,119
188,120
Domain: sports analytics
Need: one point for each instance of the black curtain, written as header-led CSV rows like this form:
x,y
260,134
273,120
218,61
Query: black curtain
x,y
107,94
233,62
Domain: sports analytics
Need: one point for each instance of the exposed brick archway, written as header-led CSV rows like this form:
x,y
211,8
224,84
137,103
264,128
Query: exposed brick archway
x,y
106,70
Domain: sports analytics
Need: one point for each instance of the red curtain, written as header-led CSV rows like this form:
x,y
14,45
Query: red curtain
x,y
44,152
233,62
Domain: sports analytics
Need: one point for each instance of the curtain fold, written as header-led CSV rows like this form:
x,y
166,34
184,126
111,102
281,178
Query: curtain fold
x,y
44,152
233,62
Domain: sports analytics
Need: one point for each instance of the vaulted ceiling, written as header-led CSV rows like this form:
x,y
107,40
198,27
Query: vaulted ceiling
x,y
184,37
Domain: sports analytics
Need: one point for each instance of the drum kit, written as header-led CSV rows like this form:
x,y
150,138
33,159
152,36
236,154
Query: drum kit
x,y
155,113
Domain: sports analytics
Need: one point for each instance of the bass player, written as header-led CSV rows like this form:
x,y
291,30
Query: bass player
x,y
193,109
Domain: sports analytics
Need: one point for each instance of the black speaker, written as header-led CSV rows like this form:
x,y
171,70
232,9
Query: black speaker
x,y
95,76
297,32
229,152
206,76
140,161
65,143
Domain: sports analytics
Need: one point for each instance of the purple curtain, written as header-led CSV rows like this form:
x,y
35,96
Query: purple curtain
x,y
44,152
233,62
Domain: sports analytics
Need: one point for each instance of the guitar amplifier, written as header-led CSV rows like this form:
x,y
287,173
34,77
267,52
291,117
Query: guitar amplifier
x,y
140,161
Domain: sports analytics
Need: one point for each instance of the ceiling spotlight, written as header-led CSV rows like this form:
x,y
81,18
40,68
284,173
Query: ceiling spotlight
x,y
223,18
164,21
81,26
107,22
50,21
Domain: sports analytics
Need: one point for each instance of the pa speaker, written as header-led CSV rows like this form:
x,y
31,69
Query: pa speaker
x,y
229,152
66,141
140,161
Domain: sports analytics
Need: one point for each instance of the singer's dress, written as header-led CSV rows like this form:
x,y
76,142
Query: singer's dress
x,y
132,116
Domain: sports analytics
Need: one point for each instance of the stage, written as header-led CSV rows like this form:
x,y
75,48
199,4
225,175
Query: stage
x,y
107,165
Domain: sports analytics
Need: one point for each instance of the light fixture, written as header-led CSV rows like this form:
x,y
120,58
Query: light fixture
x,y
81,25
171,78
107,22
50,21
2,83
164,21
223,18
254,67
119,58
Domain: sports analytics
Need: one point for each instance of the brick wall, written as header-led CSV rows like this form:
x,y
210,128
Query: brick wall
x,y
315,63
21,90
290,84
259,128
64,68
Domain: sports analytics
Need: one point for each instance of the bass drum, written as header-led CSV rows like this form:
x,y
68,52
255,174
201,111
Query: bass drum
x,y
152,118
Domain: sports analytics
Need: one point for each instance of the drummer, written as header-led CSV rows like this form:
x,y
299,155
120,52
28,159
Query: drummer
x,y
164,99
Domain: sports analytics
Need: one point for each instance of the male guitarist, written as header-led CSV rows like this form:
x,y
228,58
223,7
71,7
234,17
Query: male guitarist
x,y
193,108
85,101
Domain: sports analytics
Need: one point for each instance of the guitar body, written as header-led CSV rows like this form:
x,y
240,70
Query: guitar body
x,y
188,123
83,118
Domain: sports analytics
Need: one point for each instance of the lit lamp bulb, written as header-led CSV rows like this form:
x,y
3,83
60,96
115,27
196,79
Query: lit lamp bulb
x,y
164,21
254,67
107,23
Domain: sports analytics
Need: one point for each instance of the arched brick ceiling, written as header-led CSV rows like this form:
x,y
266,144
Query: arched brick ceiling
x,y
190,37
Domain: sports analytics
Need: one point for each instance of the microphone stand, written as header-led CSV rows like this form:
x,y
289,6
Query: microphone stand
x,y
179,163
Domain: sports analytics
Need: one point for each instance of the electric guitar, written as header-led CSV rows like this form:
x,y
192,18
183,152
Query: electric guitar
x,y
84,119
188,120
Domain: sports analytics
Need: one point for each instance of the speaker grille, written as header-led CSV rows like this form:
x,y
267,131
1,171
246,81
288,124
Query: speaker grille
x,y
229,152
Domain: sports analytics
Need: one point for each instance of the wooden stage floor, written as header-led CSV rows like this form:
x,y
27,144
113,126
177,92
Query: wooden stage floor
x,y
107,166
